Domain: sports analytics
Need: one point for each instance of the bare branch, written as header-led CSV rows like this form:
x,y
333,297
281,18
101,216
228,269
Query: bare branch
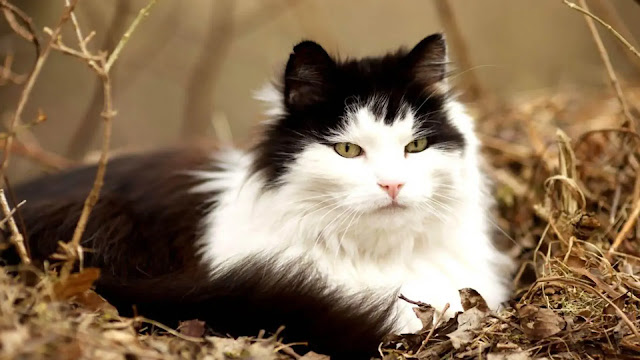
x,y
608,12
589,18
7,75
125,38
11,14
40,156
84,135
73,249
26,92
16,237
586,12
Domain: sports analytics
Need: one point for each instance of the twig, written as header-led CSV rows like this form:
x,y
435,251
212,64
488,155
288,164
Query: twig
x,y
589,17
102,70
609,27
626,228
41,156
609,14
13,211
413,302
171,331
29,34
7,75
433,328
445,12
16,237
125,38
84,135
28,88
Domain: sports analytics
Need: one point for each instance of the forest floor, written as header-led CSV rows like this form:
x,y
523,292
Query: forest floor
x,y
565,172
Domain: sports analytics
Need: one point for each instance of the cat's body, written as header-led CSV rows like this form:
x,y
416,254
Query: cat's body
x,y
366,184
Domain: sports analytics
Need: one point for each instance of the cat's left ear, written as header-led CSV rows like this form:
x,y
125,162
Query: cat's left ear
x,y
428,61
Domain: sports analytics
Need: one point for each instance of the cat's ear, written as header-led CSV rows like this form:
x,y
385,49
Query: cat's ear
x,y
307,78
428,61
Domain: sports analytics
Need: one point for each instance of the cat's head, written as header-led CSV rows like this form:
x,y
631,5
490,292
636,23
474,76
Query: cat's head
x,y
373,136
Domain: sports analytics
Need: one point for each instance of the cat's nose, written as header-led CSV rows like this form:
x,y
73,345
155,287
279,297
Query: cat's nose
x,y
391,188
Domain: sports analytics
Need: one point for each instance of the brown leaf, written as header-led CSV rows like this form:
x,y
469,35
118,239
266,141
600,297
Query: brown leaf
x,y
92,301
470,298
314,356
193,328
425,314
76,283
539,323
468,321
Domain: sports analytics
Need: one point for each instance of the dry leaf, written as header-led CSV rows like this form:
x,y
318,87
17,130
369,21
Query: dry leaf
x,y
193,328
76,283
425,314
539,323
314,356
92,301
470,298
468,321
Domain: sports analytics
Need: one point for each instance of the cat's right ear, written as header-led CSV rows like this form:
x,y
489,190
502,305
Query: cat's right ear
x,y
307,77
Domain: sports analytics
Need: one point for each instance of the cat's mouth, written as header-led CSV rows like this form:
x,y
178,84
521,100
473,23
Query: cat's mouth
x,y
392,206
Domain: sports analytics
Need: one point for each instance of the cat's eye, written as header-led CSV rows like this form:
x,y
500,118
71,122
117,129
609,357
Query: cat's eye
x,y
347,149
416,145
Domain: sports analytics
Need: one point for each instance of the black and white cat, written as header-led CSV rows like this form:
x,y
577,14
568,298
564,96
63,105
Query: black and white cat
x,y
365,184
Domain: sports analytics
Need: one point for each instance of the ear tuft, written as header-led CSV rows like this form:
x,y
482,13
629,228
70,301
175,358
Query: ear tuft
x,y
307,77
428,60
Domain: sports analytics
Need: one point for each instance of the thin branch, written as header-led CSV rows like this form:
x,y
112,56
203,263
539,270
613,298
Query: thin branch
x,y
589,18
73,248
460,48
16,237
7,75
28,88
84,135
29,34
40,156
608,12
627,227
586,12
125,38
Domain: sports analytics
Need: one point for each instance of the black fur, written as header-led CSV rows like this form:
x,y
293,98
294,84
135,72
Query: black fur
x,y
317,91
142,235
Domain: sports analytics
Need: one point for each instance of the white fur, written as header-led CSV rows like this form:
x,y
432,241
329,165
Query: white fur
x,y
328,210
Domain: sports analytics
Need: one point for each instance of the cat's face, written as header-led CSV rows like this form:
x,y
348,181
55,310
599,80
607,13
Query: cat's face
x,y
369,137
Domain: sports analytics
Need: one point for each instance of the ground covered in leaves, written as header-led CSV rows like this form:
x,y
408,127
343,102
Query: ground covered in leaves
x,y
565,167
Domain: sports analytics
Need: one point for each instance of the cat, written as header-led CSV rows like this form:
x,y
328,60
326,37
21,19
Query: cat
x,y
364,185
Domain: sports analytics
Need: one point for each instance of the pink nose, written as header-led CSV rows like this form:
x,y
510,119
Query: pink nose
x,y
391,188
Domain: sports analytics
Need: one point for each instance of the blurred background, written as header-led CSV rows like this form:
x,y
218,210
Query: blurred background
x,y
195,63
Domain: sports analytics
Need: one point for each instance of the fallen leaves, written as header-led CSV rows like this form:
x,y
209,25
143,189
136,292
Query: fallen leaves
x,y
540,323
193,328
76,283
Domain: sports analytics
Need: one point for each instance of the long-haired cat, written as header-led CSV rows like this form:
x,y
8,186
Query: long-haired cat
x,y
365,184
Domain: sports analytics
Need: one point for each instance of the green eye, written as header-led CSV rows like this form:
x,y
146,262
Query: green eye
x,y
416,145
348,150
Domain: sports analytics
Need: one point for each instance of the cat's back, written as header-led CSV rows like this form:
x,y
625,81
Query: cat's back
x,y
146,210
